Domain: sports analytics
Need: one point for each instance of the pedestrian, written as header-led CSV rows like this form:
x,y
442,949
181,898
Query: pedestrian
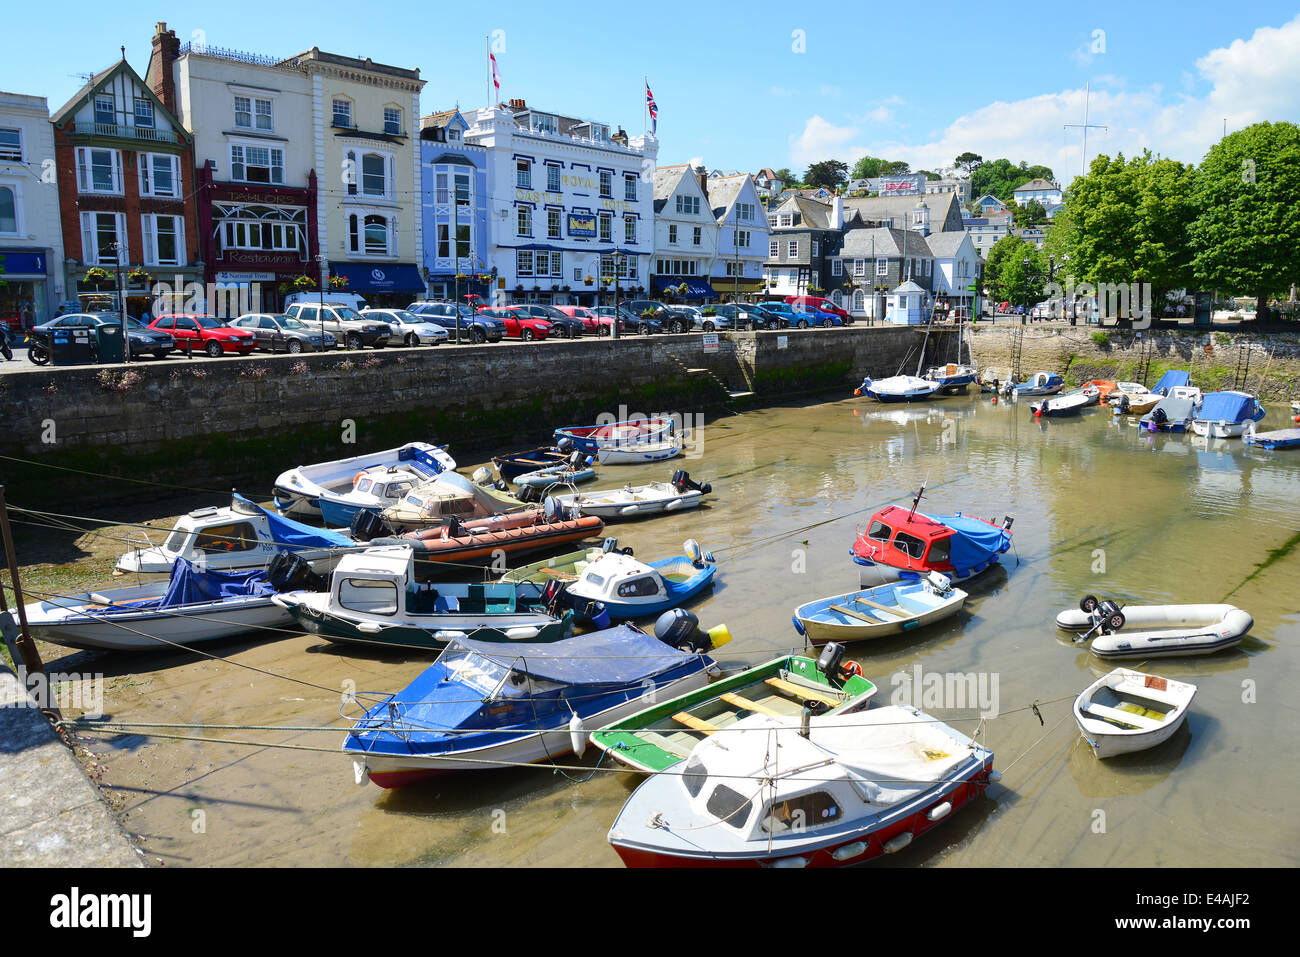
x,y
5,350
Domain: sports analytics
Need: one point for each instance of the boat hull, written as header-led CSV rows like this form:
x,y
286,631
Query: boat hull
x,y
432,634
1108,740
1164,631
821,624
152,631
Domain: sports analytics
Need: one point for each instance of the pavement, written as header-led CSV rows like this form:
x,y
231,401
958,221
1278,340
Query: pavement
x,y
51,815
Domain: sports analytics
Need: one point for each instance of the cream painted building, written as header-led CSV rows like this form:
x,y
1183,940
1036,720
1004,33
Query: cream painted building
x,y
31,237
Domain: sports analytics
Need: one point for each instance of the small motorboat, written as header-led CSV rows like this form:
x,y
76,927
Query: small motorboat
x,y
880,611
374,599
1132,398
565,568
435,504
241,537
902,544
593,438
1155,631
641,453
667,732
1067,403
898,388
1226,415
190,607
299,490
566,473
821,791
639,501
373,489
511,466
1170,414
1127,711
1040,383
952,378
482,705
1104,388
630,588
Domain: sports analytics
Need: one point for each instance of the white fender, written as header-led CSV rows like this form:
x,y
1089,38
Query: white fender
x,y
576,736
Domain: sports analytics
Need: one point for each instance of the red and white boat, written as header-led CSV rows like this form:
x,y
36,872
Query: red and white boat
x,y
834,790
614,435
902,544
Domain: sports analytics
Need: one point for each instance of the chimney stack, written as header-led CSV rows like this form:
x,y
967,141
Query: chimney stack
x,y
166,48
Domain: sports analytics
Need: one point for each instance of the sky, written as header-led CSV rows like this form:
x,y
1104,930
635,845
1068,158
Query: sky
x,y
743,86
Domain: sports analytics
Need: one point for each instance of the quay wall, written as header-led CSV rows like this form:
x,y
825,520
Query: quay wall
x,y
209,423
1269,364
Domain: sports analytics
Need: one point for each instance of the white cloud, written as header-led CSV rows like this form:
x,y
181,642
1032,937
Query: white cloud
x,y
1249,80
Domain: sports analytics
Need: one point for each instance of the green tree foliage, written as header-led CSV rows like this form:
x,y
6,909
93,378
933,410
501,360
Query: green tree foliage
x,y
1246,236
930,175
869,167
1001,177
827,173
1007,277
786,177
969,162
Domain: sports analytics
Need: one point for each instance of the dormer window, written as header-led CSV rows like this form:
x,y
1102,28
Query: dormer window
x,y
143,113
104,111
453,135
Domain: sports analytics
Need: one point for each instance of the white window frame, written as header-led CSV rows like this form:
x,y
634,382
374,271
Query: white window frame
x,y
882,267
554,224
9,154
605,227
397,110
89,231
523,173
95,109
553,173
244,146
697,237
837,267
335,113
135,113
672,234
791,248
629,187
629,229
524,220
773,248
148,178
149,232
20,228
85,178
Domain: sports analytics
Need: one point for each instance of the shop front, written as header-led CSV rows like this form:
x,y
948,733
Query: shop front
x,y
732,289
383,285
26,298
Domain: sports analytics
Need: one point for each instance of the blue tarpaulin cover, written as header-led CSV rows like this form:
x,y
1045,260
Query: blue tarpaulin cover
x,y
973,542
613,656
285,531
189,586
1174,377
1227,407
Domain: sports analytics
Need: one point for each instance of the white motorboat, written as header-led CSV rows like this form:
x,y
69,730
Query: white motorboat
x,y
1155,631
1132,398
1227,415
1127,711
436,504
898,388
240,537
1069,403
637,501
640,453
192,606
299,490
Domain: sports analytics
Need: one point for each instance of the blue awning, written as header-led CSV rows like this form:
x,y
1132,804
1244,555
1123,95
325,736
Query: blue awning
x,y
380,277
695,288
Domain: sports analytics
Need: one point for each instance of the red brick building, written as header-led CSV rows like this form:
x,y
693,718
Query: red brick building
x,y
126,192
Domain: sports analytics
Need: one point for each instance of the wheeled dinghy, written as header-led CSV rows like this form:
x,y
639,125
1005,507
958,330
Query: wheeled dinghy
x,y
636,501
1127,711
1155,631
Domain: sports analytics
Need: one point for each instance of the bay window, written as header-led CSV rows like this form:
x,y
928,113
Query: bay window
x,y
99,171
159,174
164,240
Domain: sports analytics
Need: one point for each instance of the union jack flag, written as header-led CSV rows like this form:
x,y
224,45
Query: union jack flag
x,y
654,110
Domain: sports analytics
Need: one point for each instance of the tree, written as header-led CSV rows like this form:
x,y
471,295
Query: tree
x,y
827,173
930,174
1005,273
969,162
870,167
787,178
1247,191
1001,177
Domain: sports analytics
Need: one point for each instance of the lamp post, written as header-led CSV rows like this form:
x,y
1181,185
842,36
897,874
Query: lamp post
x,y
1024,316
324,268
121,295
619,259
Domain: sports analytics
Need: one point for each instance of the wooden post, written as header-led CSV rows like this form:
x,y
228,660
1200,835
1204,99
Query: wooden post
x,y
25,647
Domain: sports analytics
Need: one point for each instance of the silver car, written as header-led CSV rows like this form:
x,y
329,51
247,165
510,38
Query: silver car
x,y
702,323
407,328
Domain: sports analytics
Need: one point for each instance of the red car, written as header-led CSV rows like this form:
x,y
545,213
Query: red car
x,y
208,333
590,321
519,324
822,303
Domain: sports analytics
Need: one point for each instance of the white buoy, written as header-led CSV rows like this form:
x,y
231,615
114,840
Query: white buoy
x,y
576,735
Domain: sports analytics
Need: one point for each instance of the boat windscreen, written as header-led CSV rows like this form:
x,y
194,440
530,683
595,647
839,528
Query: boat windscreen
x,y
612,656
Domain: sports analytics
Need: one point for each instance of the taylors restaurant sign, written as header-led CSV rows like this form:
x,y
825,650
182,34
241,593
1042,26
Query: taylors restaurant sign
x,y
902,185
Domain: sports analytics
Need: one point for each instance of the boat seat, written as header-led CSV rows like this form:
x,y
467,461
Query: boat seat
x,y
804,694
446,603
744,703
1125,717
691,721
422,601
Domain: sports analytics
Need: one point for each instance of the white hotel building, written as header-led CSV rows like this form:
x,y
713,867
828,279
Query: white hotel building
x,y
571,203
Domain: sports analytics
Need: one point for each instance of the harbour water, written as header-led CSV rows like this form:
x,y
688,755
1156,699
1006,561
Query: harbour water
x,y
1099,508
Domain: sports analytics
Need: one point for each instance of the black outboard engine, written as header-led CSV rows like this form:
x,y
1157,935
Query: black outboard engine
x,y
1111,619
586,611
565,444
367,525
454,528
829,661
290,572
576,460
500,484
682,482
680,629
1159,416
528,493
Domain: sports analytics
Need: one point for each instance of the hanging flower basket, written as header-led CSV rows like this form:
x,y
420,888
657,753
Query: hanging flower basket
x,y
304,283
95,274
337,282
139,277
588,280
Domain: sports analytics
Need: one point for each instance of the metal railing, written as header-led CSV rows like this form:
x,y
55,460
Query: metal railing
x,y
125,132
239,56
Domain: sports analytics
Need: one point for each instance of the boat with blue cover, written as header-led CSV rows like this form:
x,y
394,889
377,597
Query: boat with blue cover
x,y
1173,413
1226,415
1277,439
629,588
483,704
191,606
240,537
1040,383
898,388
902,544
299,491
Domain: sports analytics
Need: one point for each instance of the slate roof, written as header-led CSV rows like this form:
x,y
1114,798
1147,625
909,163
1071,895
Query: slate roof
x,y
884,242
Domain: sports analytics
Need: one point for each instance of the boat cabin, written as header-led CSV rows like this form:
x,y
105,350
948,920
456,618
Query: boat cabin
x,y
449,496
909,540
615,577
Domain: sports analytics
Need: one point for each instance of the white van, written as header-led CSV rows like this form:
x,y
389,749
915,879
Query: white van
x,y
314,298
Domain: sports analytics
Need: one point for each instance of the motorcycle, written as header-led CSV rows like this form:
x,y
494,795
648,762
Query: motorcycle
x,y
38,351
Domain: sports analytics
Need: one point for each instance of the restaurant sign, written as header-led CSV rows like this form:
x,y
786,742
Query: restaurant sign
x,y
584,226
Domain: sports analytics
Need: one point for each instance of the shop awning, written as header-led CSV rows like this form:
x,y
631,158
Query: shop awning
x,y
380,277
695,288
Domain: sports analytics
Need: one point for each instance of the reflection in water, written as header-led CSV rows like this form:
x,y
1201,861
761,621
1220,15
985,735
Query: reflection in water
x,y
1100,508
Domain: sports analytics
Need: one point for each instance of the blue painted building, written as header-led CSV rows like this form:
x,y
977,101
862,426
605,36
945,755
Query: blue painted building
x,y
455,187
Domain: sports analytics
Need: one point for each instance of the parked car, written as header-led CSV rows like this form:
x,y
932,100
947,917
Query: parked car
x,y
787,314
633,321
277,332
343,322
822,303
308,298
408,328
628,325
774,320
207,333
588,317
140,339
519,322
815,316
474,327
703,323
741,316
671,319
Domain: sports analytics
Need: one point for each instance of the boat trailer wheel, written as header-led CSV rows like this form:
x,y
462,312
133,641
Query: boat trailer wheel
x,y
1089,604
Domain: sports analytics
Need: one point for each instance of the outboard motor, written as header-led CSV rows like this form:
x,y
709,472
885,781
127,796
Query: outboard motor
x,y
576,460
552,508
565,444
528,493
482,476
682,482
500,484
367,525
586,611
454,528
680,629
611,545
697,555
830,663
940,582
290,572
